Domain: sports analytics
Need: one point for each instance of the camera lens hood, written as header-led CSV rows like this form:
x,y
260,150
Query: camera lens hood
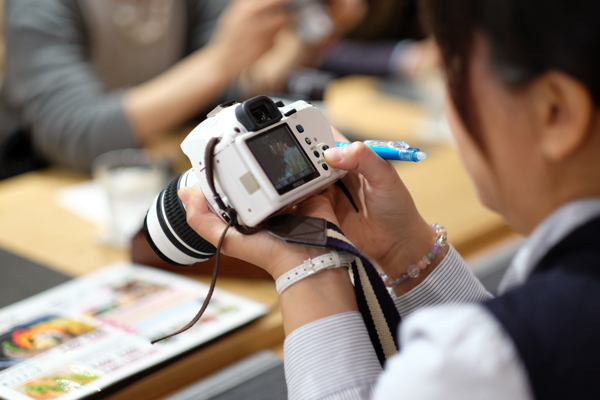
x,y
168,232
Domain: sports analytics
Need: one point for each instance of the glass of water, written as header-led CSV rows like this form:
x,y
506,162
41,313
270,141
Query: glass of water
x,y
130,179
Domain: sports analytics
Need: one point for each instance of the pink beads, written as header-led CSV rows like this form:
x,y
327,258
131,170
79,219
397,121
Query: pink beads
x,y
421,264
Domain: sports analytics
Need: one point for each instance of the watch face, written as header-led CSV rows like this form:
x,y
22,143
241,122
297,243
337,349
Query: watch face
x,y
282,158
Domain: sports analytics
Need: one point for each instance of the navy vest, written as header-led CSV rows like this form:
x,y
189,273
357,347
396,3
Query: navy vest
x,y
554,318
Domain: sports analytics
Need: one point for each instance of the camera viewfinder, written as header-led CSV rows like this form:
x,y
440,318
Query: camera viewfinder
x,y
258,113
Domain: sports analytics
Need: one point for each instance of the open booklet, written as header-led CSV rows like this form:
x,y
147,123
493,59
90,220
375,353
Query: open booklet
x,y
87,334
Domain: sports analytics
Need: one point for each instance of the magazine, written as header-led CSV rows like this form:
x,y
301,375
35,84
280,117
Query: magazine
x,y
87,334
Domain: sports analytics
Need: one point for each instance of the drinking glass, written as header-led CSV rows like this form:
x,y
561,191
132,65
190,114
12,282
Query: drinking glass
x,y
131,179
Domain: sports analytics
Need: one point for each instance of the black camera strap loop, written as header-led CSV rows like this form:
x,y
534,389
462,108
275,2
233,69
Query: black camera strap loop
x,y
230,212
346,192
210,178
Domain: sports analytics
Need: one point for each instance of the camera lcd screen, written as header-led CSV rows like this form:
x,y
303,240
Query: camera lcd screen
x,y
281,157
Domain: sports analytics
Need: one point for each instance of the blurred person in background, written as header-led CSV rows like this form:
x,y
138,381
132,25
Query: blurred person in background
x,y
389,41
83,77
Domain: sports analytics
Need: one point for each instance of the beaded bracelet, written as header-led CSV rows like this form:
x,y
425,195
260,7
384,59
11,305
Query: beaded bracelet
x,y
415,269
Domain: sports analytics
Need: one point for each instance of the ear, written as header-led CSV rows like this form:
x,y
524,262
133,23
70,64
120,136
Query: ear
x,y
564,112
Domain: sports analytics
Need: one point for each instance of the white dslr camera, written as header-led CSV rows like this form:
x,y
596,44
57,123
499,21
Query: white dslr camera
x,y
267,156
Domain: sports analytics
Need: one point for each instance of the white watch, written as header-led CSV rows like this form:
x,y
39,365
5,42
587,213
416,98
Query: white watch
x,y
311,266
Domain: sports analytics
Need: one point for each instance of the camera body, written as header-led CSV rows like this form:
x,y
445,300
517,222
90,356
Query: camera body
x,y
269,156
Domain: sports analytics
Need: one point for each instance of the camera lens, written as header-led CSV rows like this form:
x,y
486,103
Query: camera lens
x,y
167,231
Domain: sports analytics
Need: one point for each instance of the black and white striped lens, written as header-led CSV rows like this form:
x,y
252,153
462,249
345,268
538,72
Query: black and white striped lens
x,y
168,232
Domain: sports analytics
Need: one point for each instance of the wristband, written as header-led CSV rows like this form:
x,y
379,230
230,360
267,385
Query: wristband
x,y
311,266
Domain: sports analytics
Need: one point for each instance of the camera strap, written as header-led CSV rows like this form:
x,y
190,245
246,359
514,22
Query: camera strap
x,y
231,213
232,216
374,301
380,315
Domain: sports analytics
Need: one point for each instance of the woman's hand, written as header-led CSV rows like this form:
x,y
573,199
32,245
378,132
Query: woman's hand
x,y
246,30
388,227
317,296
346,14
272,254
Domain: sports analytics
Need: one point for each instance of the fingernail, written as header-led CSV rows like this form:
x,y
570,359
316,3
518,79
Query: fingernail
x,y
333,155
183,196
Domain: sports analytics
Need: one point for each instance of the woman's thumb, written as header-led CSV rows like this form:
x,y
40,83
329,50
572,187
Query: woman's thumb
x,y
362,159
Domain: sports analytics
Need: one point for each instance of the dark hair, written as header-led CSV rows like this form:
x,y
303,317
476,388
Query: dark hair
x,y
526,37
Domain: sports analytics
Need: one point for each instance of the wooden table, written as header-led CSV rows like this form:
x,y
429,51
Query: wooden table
x,y
34,226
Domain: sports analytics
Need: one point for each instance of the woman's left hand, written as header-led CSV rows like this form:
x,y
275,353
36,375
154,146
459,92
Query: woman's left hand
x,y
315,297
272,254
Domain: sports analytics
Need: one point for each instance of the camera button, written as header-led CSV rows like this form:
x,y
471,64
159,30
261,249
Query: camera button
x,y
317,154
307,140
325,166
325,147
300,128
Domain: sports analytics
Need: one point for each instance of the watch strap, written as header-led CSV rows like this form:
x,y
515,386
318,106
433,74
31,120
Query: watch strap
x,y
331,260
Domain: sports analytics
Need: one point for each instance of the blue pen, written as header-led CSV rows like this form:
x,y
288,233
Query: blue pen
x,y
389,150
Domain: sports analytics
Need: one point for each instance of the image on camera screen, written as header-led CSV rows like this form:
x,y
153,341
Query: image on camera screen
x,y
281,157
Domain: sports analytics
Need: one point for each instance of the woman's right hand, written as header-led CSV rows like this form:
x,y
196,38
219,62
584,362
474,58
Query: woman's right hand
x,y
388,228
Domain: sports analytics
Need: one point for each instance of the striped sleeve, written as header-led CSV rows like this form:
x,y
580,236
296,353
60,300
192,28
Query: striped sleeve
x,y
451,282
331,359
